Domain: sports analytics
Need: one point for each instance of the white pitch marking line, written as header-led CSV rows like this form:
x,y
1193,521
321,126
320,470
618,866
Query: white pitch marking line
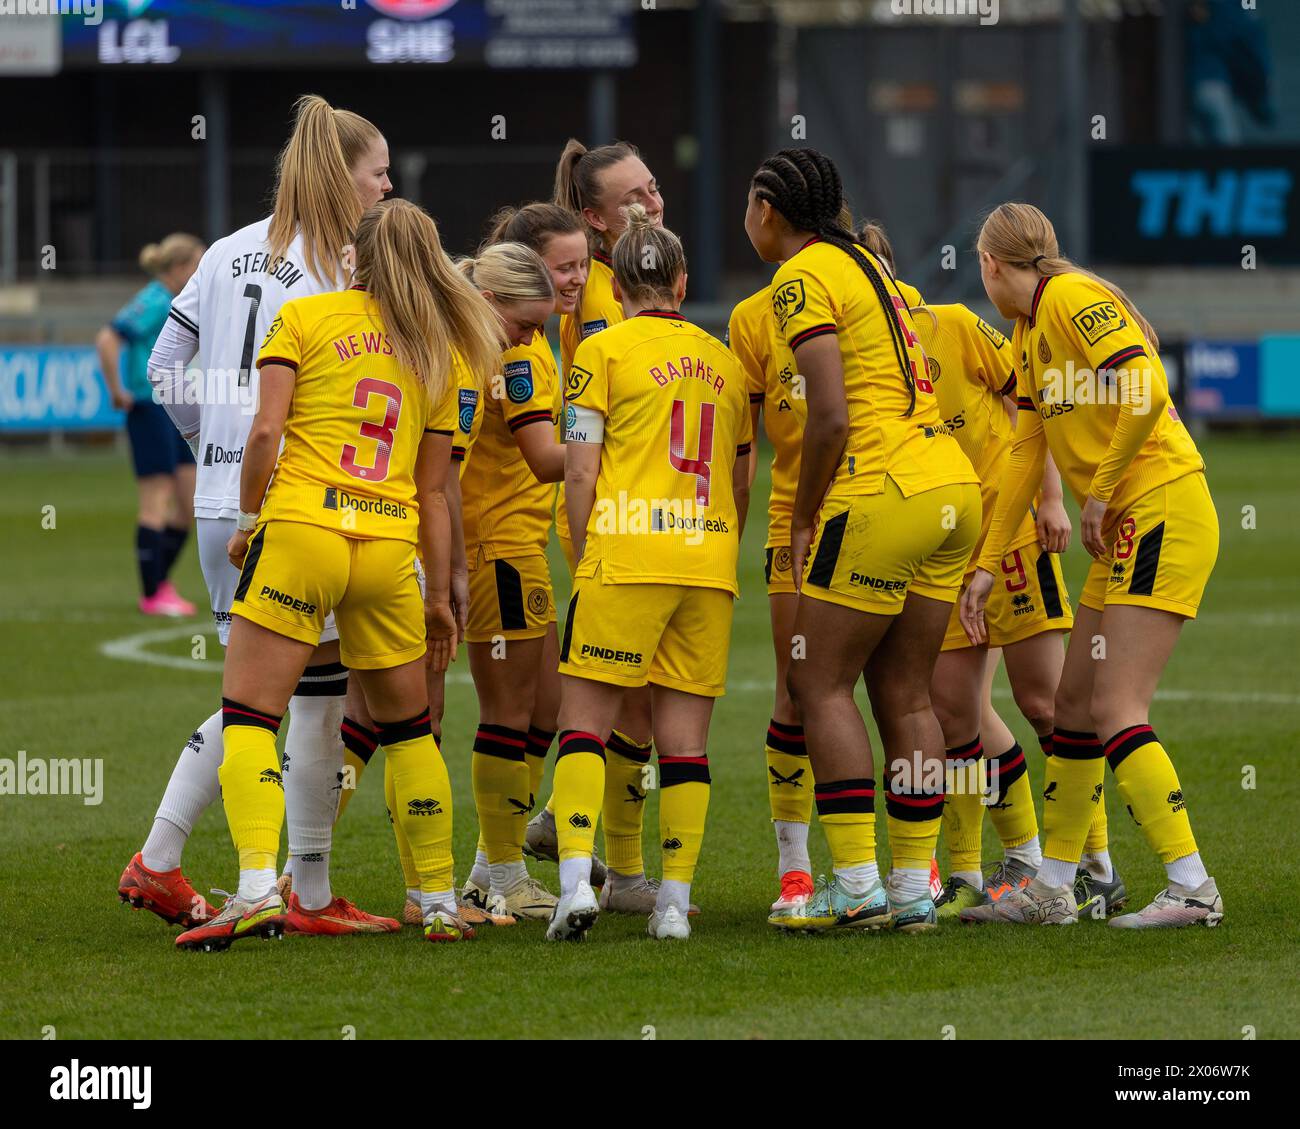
x,y
131,648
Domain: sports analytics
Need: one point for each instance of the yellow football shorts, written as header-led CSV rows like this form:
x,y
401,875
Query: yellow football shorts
x,y
871,550
509,598
1164,550
673,635
1028,597
296,574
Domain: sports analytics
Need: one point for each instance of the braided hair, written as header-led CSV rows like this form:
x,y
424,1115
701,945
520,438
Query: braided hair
x,y
804,186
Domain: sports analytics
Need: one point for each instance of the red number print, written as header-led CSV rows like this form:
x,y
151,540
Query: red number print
x,y
913,342
1013,566
1124,542
698,466
381,433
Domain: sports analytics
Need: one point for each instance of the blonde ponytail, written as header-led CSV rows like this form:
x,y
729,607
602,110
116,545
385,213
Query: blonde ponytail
x,y
174,249
314,193
647,259
428,307
1020,235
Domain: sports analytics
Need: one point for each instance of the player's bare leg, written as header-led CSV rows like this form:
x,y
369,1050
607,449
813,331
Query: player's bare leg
x,y
790,782
898,676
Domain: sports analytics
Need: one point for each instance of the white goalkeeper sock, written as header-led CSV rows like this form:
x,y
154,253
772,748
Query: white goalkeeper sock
x,y
311,769
194,785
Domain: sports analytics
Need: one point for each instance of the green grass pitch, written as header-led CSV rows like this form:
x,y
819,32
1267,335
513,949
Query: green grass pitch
x,y
80,962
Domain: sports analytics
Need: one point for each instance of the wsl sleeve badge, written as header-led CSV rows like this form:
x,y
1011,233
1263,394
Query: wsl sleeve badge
x,y
519,381
468,406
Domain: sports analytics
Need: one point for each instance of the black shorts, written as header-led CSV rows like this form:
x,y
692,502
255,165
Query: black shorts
x,y
156,445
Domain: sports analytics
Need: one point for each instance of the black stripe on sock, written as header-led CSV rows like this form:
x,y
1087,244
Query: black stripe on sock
x,y
1004,770
913,807
1147,563
767,566
1075,745
250,563
1045,743
510,596
971,751
786,739
568,629
828,551
539,741
395,732
500,741
683,770
619,744
1128,741
833,799
358,740
236,713
328,680
1048,587
575,741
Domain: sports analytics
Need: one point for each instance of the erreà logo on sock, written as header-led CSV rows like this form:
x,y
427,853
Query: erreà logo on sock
x,y
672,845
424,807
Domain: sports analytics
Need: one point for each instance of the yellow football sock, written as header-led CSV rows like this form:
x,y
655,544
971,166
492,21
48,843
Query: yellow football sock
x,y
789,773
683,806
251,788
579,789
1011,800
914,817
1149,786
1098,839
422,794
963,811
846,811
624,802
500,778
1071,793
359,745
539,744
410,875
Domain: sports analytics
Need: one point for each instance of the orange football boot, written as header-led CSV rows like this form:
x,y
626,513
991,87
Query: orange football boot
x,y
168,894
334,920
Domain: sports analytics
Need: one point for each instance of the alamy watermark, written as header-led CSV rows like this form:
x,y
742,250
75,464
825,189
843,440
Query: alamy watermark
x,y
39,776
91,11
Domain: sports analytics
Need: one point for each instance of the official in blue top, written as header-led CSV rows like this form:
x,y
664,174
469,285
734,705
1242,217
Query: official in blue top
x,y
164,464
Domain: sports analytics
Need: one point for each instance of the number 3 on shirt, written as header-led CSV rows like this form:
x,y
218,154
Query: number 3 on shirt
x,y
698,466
922,382
381,433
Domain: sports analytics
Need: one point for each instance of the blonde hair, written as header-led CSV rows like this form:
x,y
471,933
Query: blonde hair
x,y
1020,235
314,190
647,259
876,240
511,272
174,249
428,307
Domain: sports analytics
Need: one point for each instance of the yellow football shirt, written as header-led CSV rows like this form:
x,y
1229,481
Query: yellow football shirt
x,y
970,364
676,416
1082,360
507,511
773,383
355,423
821,290
599,310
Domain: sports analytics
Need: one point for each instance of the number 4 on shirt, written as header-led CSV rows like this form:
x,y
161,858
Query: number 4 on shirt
x,y
700,465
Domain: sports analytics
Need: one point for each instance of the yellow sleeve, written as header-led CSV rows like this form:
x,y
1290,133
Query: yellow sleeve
x,y
1019,482
753,364
1117,351
992,355
442,414
283,344
530,395
801,304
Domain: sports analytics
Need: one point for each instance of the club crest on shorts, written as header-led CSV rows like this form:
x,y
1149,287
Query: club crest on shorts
x,y
538,601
